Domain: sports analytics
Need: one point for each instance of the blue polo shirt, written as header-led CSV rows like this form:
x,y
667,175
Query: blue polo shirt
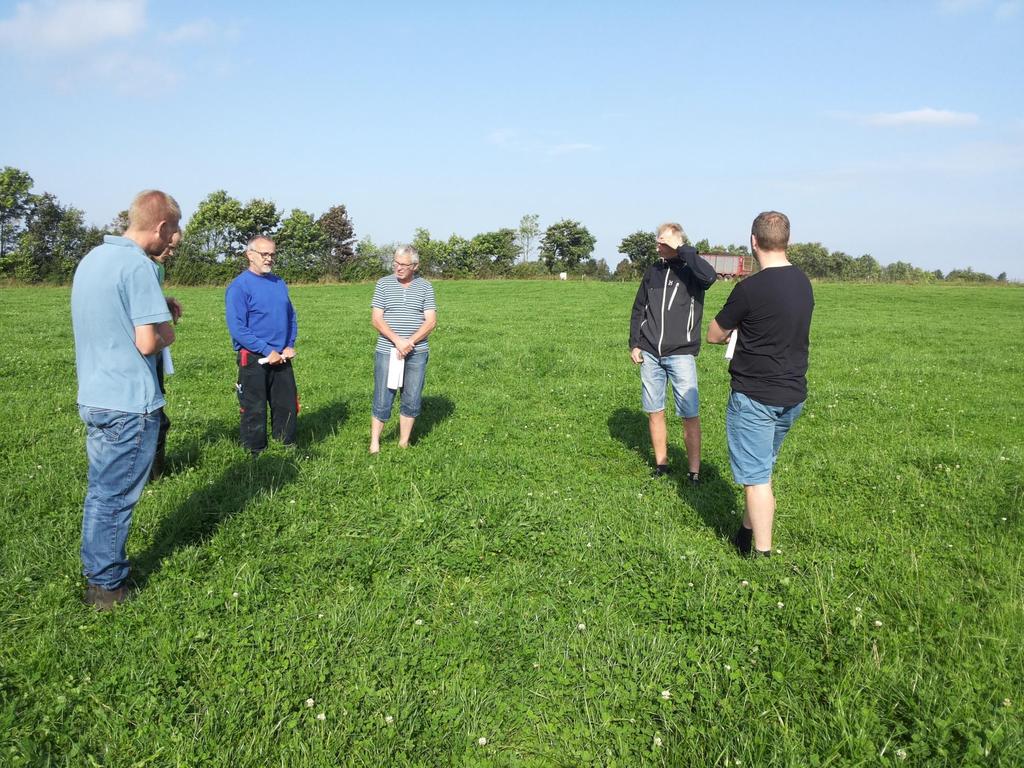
x,y
116,289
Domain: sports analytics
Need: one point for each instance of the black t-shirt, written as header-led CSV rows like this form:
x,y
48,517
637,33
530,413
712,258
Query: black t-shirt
x,y
771,310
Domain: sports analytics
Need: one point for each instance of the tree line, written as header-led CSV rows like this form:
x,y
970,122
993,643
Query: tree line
x,y
42,241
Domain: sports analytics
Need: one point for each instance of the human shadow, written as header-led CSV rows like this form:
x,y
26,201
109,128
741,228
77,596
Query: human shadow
x,y
187,451
316,426
204,510
435,409
713,499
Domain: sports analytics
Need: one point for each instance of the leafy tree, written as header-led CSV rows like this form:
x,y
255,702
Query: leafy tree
x,y
642,250
703,246
15,202
494,252
813,258
566,243
119,224
1001,278
624,270
341,237
302,248
865,268
970,276
529,230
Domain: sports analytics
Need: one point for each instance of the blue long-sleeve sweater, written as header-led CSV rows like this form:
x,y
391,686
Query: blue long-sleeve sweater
x,y
259,313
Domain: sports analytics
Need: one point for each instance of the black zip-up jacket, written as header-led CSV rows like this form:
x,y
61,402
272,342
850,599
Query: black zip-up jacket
x,y
669,305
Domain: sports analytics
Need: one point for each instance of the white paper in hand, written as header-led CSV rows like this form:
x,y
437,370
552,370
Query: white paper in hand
x,y
396,370
168,365
730,350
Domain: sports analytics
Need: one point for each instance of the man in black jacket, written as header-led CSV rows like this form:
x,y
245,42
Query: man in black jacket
x,y
664,339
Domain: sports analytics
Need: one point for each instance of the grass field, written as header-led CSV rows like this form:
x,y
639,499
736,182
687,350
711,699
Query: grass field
x,y
514,589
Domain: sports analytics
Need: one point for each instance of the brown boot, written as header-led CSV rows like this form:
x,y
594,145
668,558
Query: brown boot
x,y
104,599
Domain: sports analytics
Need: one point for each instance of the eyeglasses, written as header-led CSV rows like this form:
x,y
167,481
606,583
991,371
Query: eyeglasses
x,y
265,255
403,264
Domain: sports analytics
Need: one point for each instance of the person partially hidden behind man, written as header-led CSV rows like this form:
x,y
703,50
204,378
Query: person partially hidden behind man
x,y
664,340
121,322
771,313
263,327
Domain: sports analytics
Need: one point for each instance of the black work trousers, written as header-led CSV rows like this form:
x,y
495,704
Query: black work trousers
x,y
259,385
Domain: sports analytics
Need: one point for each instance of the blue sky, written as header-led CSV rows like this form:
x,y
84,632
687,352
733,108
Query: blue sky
x,y
895,129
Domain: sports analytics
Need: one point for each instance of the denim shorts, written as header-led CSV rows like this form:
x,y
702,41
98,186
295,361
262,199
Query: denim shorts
x,y
755,432
682,371
412,385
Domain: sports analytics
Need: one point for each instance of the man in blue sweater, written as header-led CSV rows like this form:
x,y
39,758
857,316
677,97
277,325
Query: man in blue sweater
x,y
263,329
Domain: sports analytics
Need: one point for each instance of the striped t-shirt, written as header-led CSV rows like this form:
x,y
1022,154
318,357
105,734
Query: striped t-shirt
x,y
403,308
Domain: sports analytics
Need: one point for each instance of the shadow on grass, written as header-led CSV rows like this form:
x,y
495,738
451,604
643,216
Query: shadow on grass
x,y
189,453
313,427
198,516
436,409
714,499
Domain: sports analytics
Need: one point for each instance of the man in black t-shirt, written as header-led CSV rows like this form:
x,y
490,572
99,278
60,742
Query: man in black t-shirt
x,y
770,312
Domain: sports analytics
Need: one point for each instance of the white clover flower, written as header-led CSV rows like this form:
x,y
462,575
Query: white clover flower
x,y
780,604
657,741
418,622
878,623
901,754
728,668
689,583
234,594
321,717
536,665
666,694
581,627
310,702
291,501
744,583
482,741
1007,703
319,615
389,719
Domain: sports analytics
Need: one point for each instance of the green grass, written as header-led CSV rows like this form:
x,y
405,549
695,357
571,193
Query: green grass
x,y
515,575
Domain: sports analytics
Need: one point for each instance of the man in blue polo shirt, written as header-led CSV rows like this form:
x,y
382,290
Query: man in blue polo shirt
x,y
121,322
263,327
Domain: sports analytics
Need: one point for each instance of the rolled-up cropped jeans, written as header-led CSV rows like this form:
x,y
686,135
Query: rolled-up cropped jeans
x,y
120,447
411,389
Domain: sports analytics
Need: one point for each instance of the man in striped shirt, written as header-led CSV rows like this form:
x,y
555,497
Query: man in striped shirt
x,y
404,314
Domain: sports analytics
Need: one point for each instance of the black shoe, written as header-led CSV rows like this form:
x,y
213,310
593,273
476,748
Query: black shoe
x,y
105,599
743,540
157,470
660,471
694,478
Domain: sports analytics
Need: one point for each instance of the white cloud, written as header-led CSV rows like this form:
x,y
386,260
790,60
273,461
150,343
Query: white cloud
x,y
512,141
1009,9
565,149
64,25
123,71
960,6
192,32
925,116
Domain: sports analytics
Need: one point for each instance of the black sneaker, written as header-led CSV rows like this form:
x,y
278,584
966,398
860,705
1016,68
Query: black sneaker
x,y
660,471
743,540
693,477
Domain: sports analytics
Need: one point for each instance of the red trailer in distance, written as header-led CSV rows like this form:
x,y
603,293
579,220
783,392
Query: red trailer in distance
x,y
730,265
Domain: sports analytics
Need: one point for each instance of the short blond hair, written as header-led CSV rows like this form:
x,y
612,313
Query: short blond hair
x,y
150,207
677,228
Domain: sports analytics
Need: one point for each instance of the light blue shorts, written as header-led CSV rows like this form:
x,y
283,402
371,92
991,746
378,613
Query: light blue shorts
x,y
682,371
755,432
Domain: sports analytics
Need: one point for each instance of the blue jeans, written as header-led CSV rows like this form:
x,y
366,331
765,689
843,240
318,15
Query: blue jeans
x,y
681,370
412,385
121,447
754,432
